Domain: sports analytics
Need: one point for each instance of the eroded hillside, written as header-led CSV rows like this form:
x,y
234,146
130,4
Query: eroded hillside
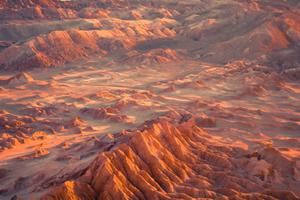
x,y
134,99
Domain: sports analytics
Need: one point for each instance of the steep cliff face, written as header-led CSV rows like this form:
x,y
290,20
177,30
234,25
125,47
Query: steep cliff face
x,y
168,161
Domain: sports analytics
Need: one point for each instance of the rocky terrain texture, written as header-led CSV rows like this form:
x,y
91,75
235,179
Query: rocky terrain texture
x,y
167,161
136,99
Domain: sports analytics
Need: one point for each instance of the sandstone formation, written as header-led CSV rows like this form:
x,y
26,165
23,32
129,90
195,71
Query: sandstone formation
x,y
167,161
149,99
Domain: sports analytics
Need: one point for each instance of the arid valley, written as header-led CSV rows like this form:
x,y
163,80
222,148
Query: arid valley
x,y
150,99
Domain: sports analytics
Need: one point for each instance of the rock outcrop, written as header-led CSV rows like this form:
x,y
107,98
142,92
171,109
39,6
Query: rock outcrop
x,y
53,49
168,161
21,78
154,56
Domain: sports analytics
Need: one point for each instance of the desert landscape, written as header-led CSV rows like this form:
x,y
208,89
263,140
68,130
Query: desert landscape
x,y
150,99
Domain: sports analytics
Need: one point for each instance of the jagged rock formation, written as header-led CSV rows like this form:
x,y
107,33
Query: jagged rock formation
x,y
218,77
166,161
53,49
154,56
56,9
254,30
106,113
19,130
268,35
34,9
21,78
